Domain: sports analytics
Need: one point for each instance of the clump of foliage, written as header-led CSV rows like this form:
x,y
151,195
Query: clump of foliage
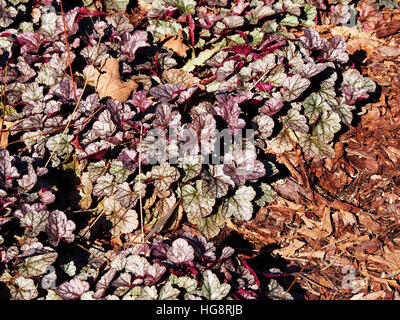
x,y
198,67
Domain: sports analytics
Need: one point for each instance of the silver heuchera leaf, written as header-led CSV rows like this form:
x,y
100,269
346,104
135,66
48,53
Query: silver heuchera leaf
x,y
310,69
126,196
314,106
166,92
7,171
212,289
28,181
312,40
168,292
104,127
192,166
268,195
313,147
73,289
23,289
180,252
132,42
103,283
265,125
241,165
105,186
166,118
120,22
37,221
137,265
218,181
240,205
198,201
295,121
59,228
335,49
294,86
342,109
122,220
164,175
326,127
37,265
272,106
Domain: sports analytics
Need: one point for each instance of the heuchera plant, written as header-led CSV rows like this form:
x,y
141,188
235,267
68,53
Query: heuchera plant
x,y
195,69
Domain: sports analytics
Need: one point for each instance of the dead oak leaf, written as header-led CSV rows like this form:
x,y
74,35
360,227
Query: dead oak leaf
x,y
107,81
176,45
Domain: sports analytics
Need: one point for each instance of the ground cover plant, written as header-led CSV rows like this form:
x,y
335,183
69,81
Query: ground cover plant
x,y
137,135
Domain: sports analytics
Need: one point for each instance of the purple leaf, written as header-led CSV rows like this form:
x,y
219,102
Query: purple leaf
x,y
167,92
7,171
166,118
59,228
272,106
73,289
65,91
71,26
132,42
180,252
31,41
139,100
310,69
229,110
312,40
28,181
103,283
241,165
335,49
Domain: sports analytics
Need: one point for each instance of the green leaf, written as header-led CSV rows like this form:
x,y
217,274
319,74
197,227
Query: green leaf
x,y
268,195
290,20
36,265
209,226
314,106
295,121
119,5
168,292
64,147
239,205
295,86
122,220
342,109
185,282
212,289
198,201
203,57
192,165
118,170
328,124
313,147
96,169
184,6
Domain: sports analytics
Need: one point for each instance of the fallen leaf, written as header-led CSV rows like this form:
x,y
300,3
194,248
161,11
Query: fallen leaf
x,y
107,81
176,45
289,250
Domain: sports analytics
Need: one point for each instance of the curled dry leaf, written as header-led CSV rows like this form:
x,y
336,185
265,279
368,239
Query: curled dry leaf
x,y
107,81
176,45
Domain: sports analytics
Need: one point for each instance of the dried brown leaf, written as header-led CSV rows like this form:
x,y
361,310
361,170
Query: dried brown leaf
x,y
107,81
